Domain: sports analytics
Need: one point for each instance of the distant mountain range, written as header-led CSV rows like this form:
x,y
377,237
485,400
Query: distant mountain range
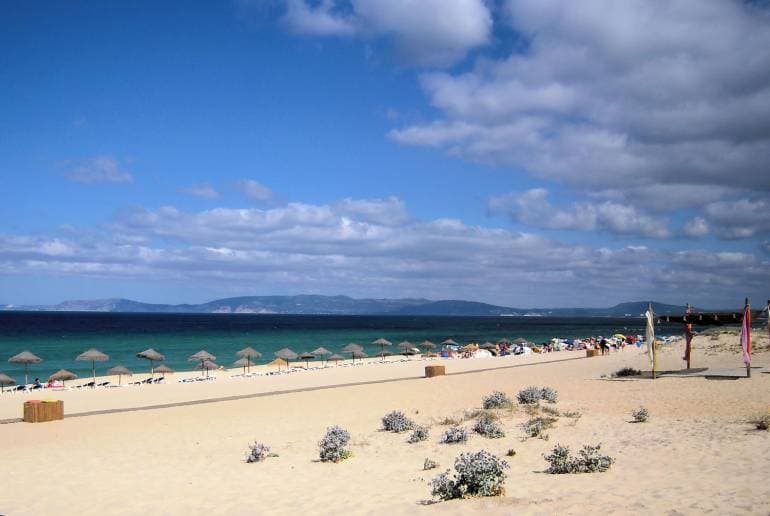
x,y
343,305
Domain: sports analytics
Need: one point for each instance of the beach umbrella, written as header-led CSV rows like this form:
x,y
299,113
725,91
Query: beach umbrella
x,y
353,348
5,380
488,345
286,354
26,358
521,341
306,356
242,362
153,356
427,344
63,375
321,352
620,336
202,356
406,348
164,370
359,354
504,341
120,371
450,342
336,358
382,343
93,355
207,364
249,354
278,362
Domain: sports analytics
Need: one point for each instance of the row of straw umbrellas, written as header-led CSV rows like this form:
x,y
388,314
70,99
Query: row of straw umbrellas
x,y
206,359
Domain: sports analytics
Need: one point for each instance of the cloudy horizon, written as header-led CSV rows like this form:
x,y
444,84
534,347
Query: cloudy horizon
x,y
517,152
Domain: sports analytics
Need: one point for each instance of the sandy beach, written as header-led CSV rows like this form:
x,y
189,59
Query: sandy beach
x,y
697,454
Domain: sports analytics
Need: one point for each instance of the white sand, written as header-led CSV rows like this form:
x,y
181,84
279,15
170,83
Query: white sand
x,y
695,455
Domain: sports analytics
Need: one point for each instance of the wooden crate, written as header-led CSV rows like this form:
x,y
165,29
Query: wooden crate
x,y
593,353
36,411
434,370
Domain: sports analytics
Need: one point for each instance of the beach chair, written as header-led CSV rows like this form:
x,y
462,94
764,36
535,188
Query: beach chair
x,y
103,384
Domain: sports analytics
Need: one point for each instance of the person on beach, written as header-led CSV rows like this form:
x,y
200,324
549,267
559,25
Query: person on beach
x,y
605,346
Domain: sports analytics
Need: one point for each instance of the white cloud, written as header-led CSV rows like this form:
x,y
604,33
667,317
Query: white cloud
x,y
533,208
255,190
696,228
744,218
100,169
425,32
619,96
203,190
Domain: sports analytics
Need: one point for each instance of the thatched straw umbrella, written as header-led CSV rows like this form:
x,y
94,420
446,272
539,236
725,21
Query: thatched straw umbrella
x,y
248,354
505,341
427,344
336,358
353,348
202,356
278,362
521,341
163,369
153,356
306,356
5,380
63,375
242,362
406,348
382,343
287,355
26,358
488,345
207,365
359,354
93,355
322,352
120,371
449,342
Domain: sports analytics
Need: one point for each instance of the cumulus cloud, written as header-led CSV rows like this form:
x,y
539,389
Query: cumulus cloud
x,y
371,247
425,32
744,218
100,169
533,208
202,190
255,191
610,95
696,228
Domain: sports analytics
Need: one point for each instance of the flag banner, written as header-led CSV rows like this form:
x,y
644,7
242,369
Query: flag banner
x,y
650,335
746,336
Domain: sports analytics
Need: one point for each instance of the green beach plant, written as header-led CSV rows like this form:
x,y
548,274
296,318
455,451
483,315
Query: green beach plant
x,y
419,433
588,460
454,435
536,426
396,421
640,415
488,427
429,464
497,400
332,445
258,452
476,474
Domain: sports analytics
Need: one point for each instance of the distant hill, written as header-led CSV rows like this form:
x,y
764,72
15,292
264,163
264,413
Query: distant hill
x,y
344,305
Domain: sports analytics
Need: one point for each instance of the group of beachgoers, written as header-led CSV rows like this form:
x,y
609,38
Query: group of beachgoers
x,y
449,349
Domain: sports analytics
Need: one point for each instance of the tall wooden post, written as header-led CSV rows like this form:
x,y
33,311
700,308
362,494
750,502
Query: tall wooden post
x,y
747,313
652,343
688,334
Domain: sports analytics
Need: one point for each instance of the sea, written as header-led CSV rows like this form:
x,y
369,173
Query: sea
x,y
58,337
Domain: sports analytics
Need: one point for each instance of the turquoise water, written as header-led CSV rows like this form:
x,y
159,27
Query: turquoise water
x,y
58,337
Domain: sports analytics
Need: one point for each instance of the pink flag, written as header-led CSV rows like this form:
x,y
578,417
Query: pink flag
x,y
746,336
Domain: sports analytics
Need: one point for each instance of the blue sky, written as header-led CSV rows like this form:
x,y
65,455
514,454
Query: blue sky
x,y
515,152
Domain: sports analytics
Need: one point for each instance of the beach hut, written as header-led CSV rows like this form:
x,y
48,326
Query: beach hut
x,y
278,362
5,380
153,356
381,342
163,369
249,354
321,352
62,375
26,358
93,355
120,371
202,356
336,358
353,348
286,354
207,365
306,356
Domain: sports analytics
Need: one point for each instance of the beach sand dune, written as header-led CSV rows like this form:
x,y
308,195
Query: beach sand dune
x,y
696,454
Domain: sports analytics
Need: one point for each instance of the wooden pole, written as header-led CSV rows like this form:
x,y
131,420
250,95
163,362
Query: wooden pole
x,y
652,343
688,328
747,313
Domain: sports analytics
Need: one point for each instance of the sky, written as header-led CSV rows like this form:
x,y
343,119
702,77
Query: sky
x,y
526,153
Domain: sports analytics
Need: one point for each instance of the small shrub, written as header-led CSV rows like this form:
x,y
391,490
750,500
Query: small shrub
x,y
572,414
627,371
548,394
551,411
488,427
640,415
397,422
497,400
510,453
477,413
332,446
456,434
258,452
535,426
532,410
429,464
476,474
761,422
450,421
420,433
528,396
589,460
